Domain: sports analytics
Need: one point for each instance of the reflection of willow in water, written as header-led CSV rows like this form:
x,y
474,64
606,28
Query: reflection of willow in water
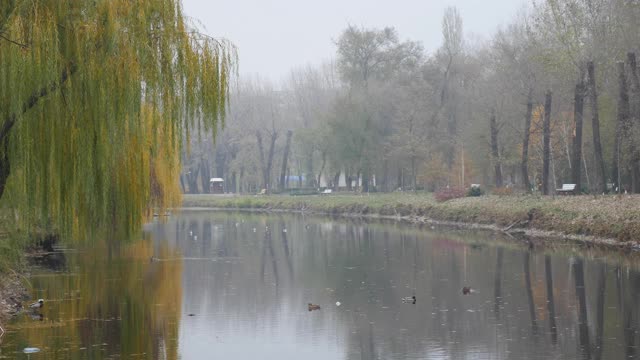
x,y
121,303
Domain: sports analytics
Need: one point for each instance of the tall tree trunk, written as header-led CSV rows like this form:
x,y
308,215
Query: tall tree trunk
x,y
525,142
414,175
495,153
623,141
309,173
635,118
324,163
546,148
601,180
184,190
577,140
285,159
265,179
205,176
365,179
267,164
234,182
221,161
192,178
272,149
336,181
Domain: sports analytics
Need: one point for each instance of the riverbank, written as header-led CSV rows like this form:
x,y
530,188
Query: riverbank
x,y
12,294
609,220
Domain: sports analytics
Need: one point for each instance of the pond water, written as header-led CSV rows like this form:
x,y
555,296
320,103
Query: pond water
x,y
206,285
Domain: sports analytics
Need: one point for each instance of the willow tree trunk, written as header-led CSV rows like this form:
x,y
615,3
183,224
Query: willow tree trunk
x,y
285,160
495,153
635,117
601,180
577,140
10,121
525,142
622,126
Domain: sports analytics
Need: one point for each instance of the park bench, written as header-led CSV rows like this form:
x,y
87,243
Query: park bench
x,y
567,189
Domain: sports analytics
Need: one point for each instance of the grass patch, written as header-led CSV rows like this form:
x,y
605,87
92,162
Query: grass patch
x,y
603,216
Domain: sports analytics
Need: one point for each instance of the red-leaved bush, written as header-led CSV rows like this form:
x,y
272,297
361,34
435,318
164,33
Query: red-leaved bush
x,y
449,193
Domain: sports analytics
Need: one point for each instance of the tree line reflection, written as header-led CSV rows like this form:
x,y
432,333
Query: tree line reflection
x,y
370,267
247,280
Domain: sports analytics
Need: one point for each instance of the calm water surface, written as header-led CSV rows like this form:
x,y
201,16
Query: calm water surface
x,y
236,286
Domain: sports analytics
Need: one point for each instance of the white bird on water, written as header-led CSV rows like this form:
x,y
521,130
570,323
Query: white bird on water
x,y
37,305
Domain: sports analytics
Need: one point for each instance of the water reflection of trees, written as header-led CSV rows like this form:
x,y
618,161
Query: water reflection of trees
x,y
112,301
527,305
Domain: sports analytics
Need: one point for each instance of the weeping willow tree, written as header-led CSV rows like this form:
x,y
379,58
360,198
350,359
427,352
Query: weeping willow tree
x,y
95,99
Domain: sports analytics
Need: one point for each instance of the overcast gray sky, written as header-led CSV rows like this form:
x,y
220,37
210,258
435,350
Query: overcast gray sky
x,y
274,36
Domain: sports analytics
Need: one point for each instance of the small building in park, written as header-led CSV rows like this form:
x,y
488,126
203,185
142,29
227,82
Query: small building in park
x,y
216,186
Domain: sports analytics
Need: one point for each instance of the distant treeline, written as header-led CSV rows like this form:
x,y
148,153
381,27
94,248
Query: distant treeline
x,y
552,98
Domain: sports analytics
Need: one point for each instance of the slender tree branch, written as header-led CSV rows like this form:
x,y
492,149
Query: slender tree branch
x,y
35,97
13,41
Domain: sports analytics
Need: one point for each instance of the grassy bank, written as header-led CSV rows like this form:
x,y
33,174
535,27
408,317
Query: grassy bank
x,y
610,217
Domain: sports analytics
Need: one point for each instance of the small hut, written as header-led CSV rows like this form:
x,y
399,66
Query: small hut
x,y
216,186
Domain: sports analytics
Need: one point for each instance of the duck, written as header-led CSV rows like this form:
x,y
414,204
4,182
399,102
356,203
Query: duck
x,y
37,305
313,307
467,290
409,299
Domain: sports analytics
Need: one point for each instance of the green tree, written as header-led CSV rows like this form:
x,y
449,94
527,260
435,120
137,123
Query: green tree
x,y
95,96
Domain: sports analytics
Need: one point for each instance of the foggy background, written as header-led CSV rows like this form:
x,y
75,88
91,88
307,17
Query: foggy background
x,y
274,36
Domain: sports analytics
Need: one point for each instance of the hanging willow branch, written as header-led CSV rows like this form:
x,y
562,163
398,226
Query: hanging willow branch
x,y
101,154
34,98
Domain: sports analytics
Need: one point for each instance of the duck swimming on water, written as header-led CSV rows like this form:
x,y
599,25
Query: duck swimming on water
x,y
313,307
409,299
37,305
467,290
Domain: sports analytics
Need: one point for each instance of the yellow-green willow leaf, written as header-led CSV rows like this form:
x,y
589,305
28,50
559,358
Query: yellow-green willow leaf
x,y
96,96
